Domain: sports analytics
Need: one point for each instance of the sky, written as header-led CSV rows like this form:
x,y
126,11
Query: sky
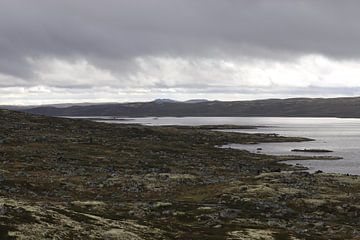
x,y
138,50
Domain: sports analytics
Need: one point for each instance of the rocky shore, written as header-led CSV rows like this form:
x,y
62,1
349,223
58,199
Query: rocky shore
x,y
78,179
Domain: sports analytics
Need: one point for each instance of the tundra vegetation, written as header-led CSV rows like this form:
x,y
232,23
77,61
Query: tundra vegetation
x,y
78,179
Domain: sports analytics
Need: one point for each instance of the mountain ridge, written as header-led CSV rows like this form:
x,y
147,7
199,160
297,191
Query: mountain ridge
x,y
345,107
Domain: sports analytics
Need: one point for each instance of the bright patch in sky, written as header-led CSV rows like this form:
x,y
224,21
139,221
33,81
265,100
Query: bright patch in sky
x,y
55,80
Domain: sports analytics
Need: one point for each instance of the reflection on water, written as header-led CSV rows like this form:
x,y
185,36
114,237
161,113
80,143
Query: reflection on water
x,y
339,135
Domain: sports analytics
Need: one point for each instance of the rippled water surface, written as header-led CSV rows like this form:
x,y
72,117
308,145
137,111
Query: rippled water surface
x,y
339,135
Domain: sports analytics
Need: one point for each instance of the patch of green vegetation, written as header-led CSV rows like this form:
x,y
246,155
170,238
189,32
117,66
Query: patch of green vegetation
x,y
282,235
4,233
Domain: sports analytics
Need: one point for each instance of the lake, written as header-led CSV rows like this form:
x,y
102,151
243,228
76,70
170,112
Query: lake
x,y
339,135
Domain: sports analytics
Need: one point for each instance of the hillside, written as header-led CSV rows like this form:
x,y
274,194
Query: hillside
x,y
295,107
77,179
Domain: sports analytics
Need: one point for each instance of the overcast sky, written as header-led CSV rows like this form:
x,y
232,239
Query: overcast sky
x,y
55,51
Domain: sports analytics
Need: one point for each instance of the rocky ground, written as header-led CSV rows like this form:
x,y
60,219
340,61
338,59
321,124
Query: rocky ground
x,y
77,179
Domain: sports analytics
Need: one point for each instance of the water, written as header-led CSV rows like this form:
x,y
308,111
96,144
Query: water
x,y
339,135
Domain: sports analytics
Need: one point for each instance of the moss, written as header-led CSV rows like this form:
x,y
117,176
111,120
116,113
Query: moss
x,y
58,184
282,235
4,233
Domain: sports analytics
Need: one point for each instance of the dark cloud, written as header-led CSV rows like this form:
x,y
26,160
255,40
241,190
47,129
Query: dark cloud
x,y
116,30
161,46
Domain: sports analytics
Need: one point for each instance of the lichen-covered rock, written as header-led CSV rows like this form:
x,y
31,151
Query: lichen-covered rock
x,y
77,179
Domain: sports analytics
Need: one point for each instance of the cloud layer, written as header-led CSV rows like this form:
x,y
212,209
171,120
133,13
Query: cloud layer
x,y
128,50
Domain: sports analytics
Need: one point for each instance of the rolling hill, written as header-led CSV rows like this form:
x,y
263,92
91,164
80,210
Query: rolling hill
x,y
294,107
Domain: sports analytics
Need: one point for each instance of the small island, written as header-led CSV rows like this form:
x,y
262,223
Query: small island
x,y
312,150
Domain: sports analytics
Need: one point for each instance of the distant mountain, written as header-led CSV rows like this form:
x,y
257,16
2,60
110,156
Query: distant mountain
x,y
15,108
294,107
60,105
164,100
65,105
196,101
